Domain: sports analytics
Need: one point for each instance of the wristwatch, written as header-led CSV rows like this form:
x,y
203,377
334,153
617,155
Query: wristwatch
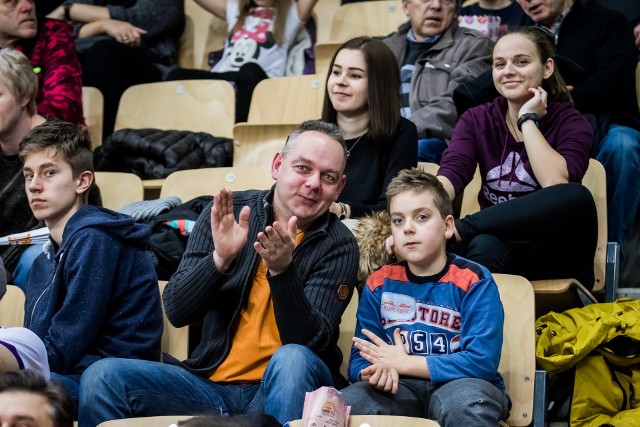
x,y
525,117
343,211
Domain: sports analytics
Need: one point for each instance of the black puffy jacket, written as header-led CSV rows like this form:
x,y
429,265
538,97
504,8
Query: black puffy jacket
x,y
155,153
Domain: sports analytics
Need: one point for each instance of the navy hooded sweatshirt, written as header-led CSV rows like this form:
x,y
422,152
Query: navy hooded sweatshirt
x,y
96,295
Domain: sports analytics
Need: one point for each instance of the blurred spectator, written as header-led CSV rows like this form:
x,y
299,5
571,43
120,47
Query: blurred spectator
x,y
435,55
49,46
122,43
601,58
509,12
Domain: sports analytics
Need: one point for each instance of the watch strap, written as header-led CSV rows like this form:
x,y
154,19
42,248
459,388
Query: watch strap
x,y
526,117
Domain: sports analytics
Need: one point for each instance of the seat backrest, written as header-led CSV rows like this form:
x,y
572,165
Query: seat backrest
x,y
428,167
367,18
185,44
347,331
595,180
119,188
208,33
291,99
323,53
323,11
192,183
193,105
517,364
256,144
92,110
12,307
159,421
175,341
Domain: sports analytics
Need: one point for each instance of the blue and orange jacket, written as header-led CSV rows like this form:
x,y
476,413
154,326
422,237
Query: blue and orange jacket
x,y
454,319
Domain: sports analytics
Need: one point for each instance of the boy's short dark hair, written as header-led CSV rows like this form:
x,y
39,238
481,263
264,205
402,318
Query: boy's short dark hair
x,y
419,181
69,141
26,381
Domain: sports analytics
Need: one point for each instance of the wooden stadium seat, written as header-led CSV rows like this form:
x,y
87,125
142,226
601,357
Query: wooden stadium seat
x,y
367,18
324,11
185,44
256,144
119,188
92,110
194,105
323,52
428,167
517,363
564,293
192,183
175,341
12,307
161,421
347,331
203,33
290,99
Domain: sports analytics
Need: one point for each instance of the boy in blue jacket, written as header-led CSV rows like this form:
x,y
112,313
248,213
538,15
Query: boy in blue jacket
x,y
93,292
429,328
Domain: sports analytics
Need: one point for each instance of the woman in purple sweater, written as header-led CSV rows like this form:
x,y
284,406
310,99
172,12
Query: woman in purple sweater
x,y
533,149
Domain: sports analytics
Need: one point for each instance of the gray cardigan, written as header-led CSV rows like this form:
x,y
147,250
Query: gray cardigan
x,y
460,55
305,296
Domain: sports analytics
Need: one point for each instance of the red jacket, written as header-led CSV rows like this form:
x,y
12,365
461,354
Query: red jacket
x,y
53,52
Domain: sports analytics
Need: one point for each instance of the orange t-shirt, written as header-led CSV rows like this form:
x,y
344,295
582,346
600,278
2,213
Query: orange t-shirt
x,y
257,337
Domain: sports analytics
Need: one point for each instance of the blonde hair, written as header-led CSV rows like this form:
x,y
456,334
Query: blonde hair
x,y
282,10
17,72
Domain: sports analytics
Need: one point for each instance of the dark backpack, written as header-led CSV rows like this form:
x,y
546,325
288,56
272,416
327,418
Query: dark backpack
x,y
170,233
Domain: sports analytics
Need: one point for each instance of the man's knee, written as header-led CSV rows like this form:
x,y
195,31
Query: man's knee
x,y
292,355
621,142
102,372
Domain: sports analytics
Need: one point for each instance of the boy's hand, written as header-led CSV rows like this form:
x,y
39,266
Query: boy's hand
x,y
378,351
382,377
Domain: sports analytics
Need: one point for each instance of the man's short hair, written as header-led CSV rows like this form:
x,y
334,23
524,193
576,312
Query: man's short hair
x,y
27,381
68,140
17,73
419,181
329,129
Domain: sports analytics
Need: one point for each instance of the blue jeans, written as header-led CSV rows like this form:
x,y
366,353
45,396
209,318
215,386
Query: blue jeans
x,y
71,383
619,153
21,272
463,402
120,388
431,149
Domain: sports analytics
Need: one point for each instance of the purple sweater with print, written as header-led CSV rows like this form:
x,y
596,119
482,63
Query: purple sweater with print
x,y
481,137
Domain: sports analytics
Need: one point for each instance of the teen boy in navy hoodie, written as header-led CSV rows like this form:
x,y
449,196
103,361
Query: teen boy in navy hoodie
x,y
93,292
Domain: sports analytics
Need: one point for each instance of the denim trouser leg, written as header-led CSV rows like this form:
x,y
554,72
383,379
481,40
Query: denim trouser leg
x,y
122,388
21,272
468,402
619,153
293,371
431,149
463,402
71,383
